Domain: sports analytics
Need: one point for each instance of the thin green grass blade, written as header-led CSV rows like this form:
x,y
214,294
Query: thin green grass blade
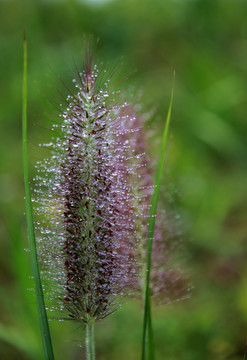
x,y
45,331
147,338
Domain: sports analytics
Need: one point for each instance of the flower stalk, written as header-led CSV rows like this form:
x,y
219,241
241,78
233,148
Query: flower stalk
x,y
90,346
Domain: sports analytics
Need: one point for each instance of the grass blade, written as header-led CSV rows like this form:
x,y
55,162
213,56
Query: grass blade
x,y
147,338
45,332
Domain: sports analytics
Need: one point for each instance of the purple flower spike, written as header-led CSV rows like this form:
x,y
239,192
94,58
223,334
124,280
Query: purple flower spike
x,y
93,198
168,282
88,230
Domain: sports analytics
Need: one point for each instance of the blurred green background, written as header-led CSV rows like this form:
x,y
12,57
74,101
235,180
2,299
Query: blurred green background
x,y
206,43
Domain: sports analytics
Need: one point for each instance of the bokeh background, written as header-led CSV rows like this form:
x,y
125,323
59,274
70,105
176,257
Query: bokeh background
x,y
206,43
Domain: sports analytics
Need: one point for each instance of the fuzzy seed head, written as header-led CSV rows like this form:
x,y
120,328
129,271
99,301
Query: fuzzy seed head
x,y
86,204
92,197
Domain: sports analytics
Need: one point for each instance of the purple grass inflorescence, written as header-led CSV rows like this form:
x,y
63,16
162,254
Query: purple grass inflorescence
x,y
90,241
93,197
168,282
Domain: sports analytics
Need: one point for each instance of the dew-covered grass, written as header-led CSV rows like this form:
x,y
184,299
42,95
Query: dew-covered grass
x,y
205,42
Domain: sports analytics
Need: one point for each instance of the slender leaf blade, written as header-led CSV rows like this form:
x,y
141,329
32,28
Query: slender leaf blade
x,y
45,331
147,338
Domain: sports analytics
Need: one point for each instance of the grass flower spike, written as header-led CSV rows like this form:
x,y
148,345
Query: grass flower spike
x,y
93,196
91,203
87,233
168,283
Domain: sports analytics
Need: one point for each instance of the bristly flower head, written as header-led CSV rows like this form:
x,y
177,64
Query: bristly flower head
x,y
93,195
88,235
168,282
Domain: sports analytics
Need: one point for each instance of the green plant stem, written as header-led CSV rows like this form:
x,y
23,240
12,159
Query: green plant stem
x,y
90,350
147,338
44,327
150,336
